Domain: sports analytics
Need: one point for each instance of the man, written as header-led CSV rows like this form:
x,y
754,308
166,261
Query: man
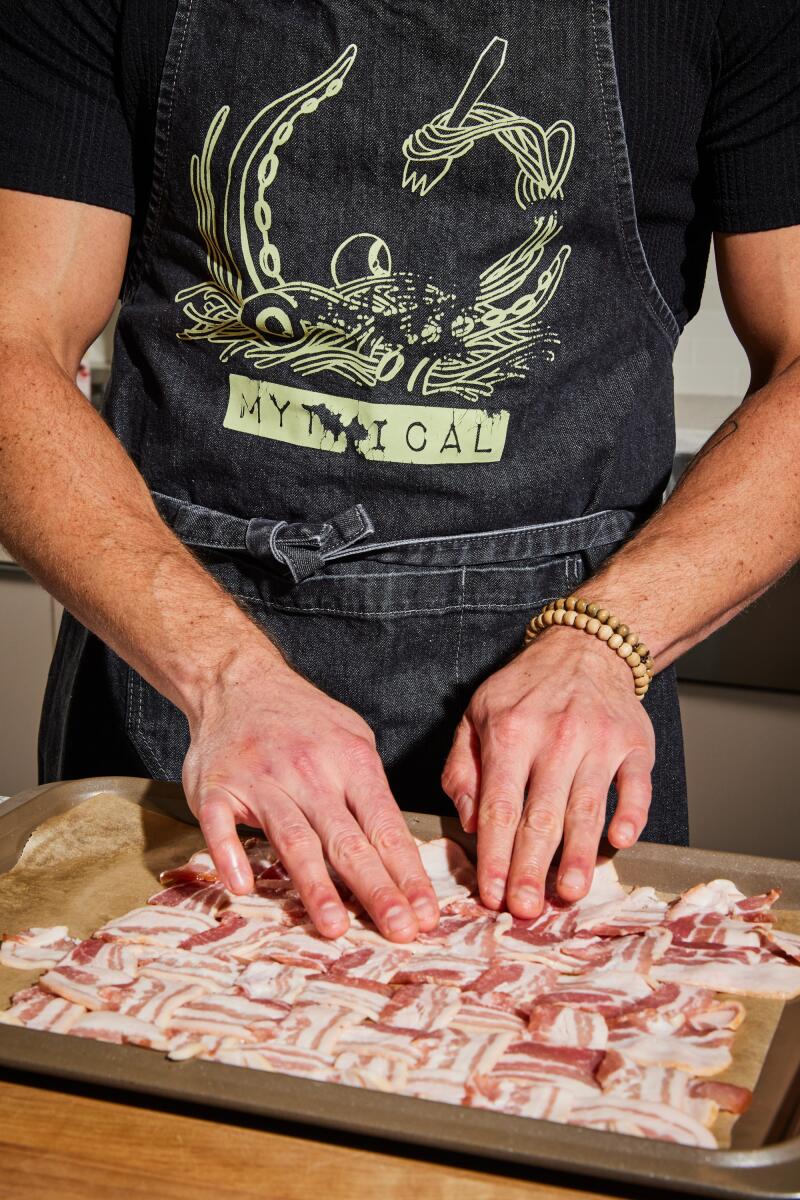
x,y
392,370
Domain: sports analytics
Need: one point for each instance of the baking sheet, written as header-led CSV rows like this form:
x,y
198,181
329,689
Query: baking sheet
x,y
100,856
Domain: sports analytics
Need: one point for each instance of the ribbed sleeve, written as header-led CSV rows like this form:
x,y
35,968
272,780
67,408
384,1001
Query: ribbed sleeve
x,y
750,147
63,131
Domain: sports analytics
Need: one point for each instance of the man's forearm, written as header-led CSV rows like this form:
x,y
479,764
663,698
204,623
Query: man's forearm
x,y
729,530
77,514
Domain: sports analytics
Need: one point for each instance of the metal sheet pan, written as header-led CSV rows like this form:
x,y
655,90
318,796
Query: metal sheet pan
x,y
765,1158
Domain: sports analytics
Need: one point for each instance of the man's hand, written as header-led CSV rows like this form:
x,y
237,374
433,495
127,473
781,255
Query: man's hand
x,y
272,751
559,723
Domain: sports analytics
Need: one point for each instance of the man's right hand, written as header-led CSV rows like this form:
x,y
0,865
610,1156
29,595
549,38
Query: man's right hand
x,y
270,750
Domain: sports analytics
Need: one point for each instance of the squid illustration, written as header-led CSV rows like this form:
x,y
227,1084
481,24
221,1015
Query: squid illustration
x,y
372,322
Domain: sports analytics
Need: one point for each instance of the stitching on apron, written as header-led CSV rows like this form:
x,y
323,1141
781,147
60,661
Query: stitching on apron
x,y
399,612
138,727
460,625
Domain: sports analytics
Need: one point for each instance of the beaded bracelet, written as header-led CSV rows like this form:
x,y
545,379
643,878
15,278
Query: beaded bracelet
x,y
598,621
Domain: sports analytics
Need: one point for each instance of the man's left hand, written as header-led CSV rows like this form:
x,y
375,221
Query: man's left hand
x,y
533,758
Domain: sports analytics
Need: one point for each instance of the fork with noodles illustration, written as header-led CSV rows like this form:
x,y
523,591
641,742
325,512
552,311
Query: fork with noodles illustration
x,y
453,133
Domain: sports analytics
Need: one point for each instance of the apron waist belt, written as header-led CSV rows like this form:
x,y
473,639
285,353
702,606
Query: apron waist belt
x,y
304,547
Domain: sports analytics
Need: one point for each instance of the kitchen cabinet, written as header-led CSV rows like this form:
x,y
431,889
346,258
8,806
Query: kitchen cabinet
x,y
28,623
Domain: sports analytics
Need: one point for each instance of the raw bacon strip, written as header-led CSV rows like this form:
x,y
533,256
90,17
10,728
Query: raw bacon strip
x,y
444,967
736,969
268,980
118,1028
199,869
315,1026
183,1046
361,996
156,926
521,938
719,896
477,1016
712,928
562,1066
37,1009
91,989
519,982
404,1045
235,937
304,947
757,907
451,873
226,1014
288,1060
285,906
560,1025
625,1079
116,962
464,936
209,973
433,1085
728,1096
196,897
543,1101
666,1042
642,1118
272,879
155,1000
471,909
632,952
458,1055
607,992
370,1070
36,948
636,913
728,1014
422,1006
378,963
787,943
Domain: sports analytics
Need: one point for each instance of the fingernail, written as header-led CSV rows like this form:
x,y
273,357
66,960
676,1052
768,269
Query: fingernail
x,y
625,832
239,880
424,908
573,878
465,808
495,890
399,919
526,896
330,914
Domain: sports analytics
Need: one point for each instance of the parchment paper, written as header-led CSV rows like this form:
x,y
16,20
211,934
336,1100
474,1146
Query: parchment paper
x,y
102,858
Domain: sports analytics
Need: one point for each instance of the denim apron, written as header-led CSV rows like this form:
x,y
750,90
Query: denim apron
x,y
390,358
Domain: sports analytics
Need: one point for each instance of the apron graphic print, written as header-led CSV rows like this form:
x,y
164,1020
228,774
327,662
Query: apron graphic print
x,y
373,323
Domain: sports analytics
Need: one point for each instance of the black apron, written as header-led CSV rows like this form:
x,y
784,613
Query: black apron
x,y
390,358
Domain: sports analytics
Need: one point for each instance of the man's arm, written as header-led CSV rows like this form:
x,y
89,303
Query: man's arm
x,y
561,720
267,748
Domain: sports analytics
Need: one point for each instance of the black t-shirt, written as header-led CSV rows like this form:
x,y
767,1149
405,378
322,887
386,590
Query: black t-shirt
x,y
710,94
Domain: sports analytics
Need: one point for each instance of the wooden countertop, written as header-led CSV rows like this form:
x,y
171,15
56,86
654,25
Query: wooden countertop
x,y
81,1146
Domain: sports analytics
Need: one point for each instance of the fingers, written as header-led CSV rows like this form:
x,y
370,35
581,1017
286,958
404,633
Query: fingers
x,y
461,776
540,830
377,813
300,852
214,808
583,825
504,775
634,792
359,865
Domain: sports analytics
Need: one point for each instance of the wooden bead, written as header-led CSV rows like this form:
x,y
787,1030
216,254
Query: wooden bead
x,y
640,672
580,605
560,603
640,648
592,609
604,632
632,638
549,607
615,641
548,617
558,616
623,631
633,659
570,603
581,620
614,622
570,616
603,615
592,625
624,650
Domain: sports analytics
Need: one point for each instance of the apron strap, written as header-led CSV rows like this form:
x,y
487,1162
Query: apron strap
x,y
302,547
